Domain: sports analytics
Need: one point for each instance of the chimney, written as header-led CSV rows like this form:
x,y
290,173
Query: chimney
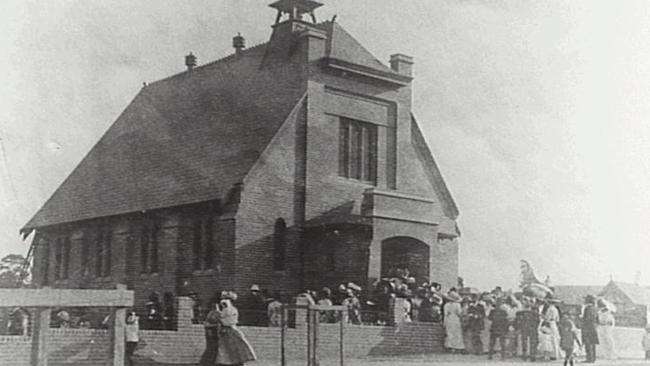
x,y
190,61
402,64
314,40
239,43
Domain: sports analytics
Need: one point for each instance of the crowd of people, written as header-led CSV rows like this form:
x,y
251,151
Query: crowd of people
x,y
517,325
368,306
528,327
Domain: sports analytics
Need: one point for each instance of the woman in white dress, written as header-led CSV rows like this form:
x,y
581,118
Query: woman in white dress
x,y
551,315
606,349
233,347
453,324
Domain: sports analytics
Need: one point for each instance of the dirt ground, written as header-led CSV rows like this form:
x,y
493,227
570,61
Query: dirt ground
x,y
437,360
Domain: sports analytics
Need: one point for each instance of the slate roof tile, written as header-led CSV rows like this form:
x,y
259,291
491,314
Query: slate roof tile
x,y
190,137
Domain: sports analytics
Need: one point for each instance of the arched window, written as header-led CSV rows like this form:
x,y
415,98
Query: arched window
x,y
279,245
203,244
144,249
46,264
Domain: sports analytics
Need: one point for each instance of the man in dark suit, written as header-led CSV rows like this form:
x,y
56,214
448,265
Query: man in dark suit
x,y
527,321
589,325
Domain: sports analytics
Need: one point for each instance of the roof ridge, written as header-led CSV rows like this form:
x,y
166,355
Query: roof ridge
x,y
211,63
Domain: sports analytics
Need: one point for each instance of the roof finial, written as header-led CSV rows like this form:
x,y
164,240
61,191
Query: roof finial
x,y
190,61
239,43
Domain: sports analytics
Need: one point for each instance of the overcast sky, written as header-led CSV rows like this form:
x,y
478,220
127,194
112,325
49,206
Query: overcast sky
x,y
536,111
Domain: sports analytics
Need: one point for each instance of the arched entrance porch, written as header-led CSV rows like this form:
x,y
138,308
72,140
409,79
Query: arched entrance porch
x,y
400,253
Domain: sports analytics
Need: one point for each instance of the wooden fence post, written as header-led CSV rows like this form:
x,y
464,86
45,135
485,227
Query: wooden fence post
x,y
40,336
117,336
118,329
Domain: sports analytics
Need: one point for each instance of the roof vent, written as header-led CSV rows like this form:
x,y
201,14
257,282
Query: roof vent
x,y
239,43
190,61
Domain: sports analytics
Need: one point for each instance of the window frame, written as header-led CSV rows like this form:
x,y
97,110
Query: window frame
x,y
149,247
67,248
58,254
358,144
280,245
46,263
99,252
205,253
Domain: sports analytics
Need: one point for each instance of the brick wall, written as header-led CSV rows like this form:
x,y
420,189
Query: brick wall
x,y
15,350
66,347
444,261
185,346
269,194
337,255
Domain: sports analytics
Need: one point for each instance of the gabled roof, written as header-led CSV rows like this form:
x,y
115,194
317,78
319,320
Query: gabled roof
x,y
190,137
435,176
184,139
342,46
575,295
638,295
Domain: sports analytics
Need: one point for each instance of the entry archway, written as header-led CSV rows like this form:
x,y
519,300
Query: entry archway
x,y
405,252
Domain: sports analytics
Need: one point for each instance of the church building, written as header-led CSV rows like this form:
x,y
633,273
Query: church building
x,y
293,164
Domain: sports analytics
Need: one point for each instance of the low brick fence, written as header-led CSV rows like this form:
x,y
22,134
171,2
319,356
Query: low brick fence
x,y
66,347
186,344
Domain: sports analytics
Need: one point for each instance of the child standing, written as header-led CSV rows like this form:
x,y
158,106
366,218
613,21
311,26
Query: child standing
x,y
568,339
132,337
646,342
545,340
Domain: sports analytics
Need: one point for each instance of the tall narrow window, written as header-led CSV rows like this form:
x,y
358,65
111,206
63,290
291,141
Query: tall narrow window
x,y
344,146
99,253
358,150
46,264
355,151
370,154
154,248
144,250
203,244
208,245
149,250
57,259
66,257
279,245
196,245
84,256
108,237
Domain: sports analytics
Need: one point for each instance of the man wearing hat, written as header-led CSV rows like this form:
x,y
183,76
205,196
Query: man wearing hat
x,y
498,328
527,322
256,308
589,328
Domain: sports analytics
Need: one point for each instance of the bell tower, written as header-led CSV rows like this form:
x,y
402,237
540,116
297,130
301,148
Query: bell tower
x,y
295,32
295,9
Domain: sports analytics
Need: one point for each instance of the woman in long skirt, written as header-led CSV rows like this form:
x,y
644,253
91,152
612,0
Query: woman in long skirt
x,y
551,315
211,324
607,347
234,349
453,324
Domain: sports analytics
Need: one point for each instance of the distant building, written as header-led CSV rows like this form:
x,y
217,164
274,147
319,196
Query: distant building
x,y
631,300
573,297
293,163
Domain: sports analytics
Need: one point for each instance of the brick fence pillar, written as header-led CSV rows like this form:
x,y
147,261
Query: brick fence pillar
x,y
184,312
301,314
396,312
